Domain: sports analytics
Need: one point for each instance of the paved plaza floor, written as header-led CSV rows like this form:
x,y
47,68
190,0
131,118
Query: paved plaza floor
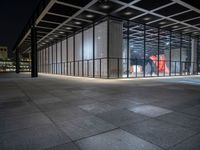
x,y
73,113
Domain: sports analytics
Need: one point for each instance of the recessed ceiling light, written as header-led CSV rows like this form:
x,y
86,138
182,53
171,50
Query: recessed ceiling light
x,y
186,30
163,22
175,27
43,43
51,38
196,32
77,22
61,32
147,18
47,41
128,13
105,6
89,16
55,36
68,28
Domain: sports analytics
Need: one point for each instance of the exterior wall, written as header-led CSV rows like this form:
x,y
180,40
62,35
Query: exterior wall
x,y
3,53
112,53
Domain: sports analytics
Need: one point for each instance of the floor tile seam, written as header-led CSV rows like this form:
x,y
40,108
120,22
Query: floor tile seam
x,y
158,145
31,127
183,113
182,126
103,132
43,89
187,138
132,122
63,144
57,127
18,116
144,139
51,93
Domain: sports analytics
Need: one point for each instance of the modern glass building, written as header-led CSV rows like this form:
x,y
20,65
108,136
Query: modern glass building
x,y
113,38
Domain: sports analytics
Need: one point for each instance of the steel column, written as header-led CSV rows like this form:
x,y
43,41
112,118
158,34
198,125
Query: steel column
x,y
144,51
127,67
93,49
17,61
170,52
108,48
34,71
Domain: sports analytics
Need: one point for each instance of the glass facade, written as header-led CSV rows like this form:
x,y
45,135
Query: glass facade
x,y
115,48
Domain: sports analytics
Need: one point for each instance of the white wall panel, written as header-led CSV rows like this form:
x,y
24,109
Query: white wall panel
x,y
78,54
59,58
70,55
64,57
54,58
101,48
88,52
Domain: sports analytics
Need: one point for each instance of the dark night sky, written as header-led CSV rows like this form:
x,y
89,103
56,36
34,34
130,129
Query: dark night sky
x,y
14,14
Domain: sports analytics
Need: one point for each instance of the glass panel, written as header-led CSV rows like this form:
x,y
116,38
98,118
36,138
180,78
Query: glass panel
x,y
78,54
46,60
59,58
136,48
70,56
43,60
54,58
164,50
64,57
185,55
115,47
38,55
123,59
101,49
50,59
152,64
88,52
175,54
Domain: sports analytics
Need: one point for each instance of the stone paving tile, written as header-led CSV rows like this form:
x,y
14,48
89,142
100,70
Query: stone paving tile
x,y
28,103
53,106
159,133
66,114
115,140
121,103
192,143
14,108
24,121
150,110
85,126
97,108
68,146
177,105
121,117
41,137
190,122
48,100
192,110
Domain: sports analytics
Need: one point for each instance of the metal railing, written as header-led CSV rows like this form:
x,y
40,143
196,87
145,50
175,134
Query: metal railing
x,y
118,68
